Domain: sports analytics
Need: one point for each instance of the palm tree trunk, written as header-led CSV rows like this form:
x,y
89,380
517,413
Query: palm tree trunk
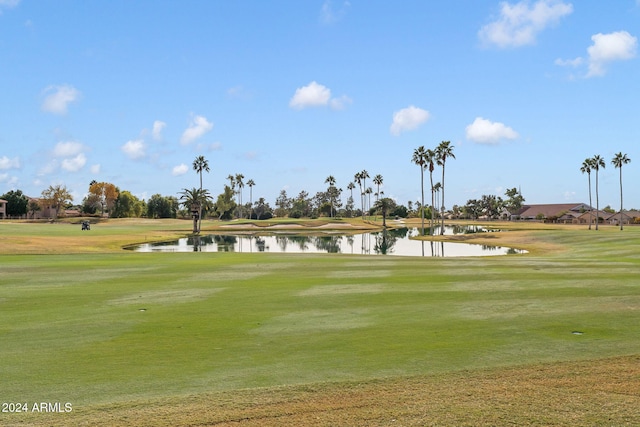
x,y
597,202
442,204
422,200
590,203
620,196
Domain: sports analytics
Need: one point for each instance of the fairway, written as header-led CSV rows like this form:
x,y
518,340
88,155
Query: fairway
x,y
207,338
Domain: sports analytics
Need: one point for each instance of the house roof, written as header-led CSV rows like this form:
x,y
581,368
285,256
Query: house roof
x,y
554,209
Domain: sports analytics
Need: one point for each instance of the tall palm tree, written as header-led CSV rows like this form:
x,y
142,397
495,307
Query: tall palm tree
x,y
586,168
617,161
431,159
420,159
444,150
597,163
200,164
364,175
331,180
377,180
384,205
358,179
250,184
239,177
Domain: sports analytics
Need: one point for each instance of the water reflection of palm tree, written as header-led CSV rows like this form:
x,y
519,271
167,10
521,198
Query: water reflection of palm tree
x,y
331,244
385,242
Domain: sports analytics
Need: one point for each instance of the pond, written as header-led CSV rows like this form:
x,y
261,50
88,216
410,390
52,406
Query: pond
x,y
387,242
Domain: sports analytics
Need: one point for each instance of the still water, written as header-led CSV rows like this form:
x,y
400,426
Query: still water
x,y
388,242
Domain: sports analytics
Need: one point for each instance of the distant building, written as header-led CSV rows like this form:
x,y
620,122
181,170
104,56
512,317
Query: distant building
x,y
557,212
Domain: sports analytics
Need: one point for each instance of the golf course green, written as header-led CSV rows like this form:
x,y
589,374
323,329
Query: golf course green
x,y
112,333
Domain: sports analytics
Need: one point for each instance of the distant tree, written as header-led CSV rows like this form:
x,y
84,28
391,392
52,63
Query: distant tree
x,y
431,160
251,183
618,161
283,204
57,196
385,205
597,162
420,159
159,206
17,203
33,207
515,200
128,206
443,151
105,193
225,204
586,168
378,180
200,164
195,200
491,205
261,209
240,183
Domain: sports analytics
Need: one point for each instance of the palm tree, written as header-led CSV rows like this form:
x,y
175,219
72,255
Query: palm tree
x,y
377,180
350,187
331,180
200,164
239,177
443,151
617,161
364,175
358,179
194,200
597,163
420,159
384,205
250,184
586,168
431,159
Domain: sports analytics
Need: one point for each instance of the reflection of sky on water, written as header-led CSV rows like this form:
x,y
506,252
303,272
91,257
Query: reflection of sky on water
x,y
390,242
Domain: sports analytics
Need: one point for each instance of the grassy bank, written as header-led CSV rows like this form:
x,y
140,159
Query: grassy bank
x,y
263,337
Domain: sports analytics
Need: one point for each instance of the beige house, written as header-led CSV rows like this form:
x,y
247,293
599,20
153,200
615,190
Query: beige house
x,y
558,212
3,209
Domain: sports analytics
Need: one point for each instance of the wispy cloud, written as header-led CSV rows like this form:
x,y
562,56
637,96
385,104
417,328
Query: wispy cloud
x,y
181,169
197,128
330,14
317,95
7,163
409,118
484,131
158,127
57,98
520,23
606,48
8,4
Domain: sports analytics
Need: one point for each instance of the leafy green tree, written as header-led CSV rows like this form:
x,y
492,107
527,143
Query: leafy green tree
x,y
159,206
17,203
225,205
34,207
444,151
618,161
597,162
515,200
105,193
128,206
283,204
586,168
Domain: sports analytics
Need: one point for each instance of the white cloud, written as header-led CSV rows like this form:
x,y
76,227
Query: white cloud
x,y
569,62
311,95
74,164
408,119
340,103
134,149
198,127
7,163
330,15
8,4
158,127
520,23
606,48
213,146
67,149
484,131
181,169
95,169
58,98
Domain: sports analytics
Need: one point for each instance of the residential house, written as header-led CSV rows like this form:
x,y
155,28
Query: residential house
x,y
3,208
556,212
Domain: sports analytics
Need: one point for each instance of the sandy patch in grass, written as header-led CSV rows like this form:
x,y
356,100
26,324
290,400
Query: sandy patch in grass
x,y
165,296
373,288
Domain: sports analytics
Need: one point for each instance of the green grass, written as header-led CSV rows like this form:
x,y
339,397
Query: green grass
x,y
113,326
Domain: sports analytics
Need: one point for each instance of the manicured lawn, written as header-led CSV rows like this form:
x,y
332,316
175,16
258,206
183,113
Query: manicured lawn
x,y
84,322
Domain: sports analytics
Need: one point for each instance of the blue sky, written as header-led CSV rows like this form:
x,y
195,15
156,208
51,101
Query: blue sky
x,y
288,92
